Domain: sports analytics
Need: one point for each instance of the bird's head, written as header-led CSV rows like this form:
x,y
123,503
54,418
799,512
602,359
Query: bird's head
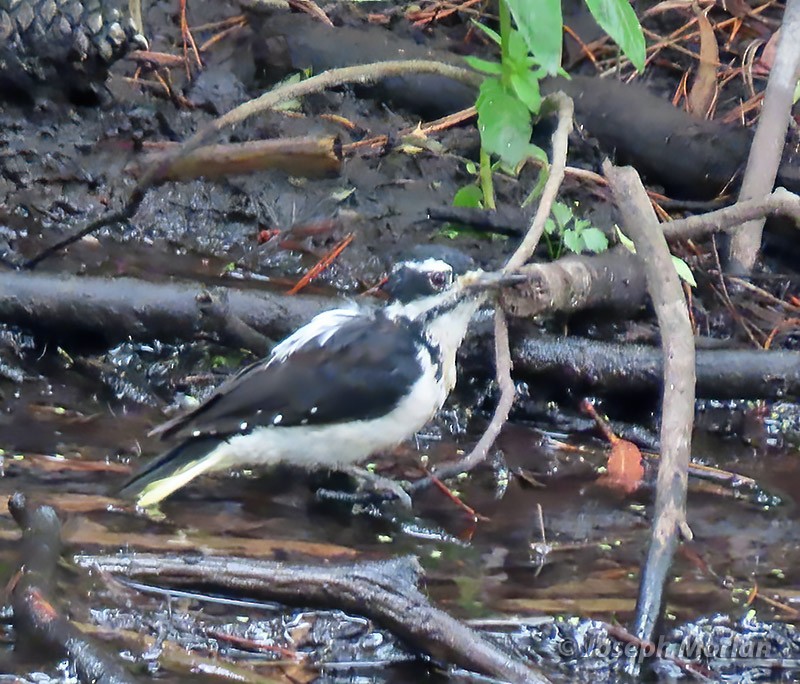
x,y
428,288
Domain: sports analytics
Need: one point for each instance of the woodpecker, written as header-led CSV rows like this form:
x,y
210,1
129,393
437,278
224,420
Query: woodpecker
x,y
350,383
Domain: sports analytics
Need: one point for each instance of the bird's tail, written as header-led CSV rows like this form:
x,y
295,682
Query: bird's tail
x,y
173,469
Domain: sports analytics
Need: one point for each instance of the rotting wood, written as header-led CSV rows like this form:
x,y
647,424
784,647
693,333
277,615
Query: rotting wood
x,y
306,157
613,280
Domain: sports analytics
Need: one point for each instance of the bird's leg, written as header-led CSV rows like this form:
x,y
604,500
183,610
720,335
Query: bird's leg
x,y
379,483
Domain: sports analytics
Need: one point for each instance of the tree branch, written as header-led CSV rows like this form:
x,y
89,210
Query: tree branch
x,y
677,339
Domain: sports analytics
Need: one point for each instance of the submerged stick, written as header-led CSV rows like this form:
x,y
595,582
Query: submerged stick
x,y
36,617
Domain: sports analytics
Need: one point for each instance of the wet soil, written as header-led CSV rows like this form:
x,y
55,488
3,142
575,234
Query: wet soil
x,y
74,420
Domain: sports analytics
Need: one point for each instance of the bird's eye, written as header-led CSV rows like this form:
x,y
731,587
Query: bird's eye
x,y
439,279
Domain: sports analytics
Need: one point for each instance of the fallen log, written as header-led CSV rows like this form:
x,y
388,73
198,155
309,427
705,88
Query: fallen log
x,y
721,373
385,591
104,311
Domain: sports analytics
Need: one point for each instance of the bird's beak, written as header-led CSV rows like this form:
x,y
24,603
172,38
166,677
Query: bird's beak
x,y
483,280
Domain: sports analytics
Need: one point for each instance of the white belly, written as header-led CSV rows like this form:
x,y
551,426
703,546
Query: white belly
x,y
339,444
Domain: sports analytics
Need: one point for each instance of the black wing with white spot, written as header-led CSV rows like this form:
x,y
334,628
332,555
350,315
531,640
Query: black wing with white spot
x,y
359,368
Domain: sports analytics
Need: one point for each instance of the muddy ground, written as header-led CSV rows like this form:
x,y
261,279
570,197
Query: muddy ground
x,y
75,416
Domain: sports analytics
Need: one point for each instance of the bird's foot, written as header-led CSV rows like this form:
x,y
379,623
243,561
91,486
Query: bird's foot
x,y
381,487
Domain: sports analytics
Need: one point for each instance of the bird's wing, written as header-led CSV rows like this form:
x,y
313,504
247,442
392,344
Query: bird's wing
x,y
315,332
357,367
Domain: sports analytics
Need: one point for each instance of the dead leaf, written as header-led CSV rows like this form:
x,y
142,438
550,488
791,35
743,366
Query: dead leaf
x,y
625,470
704,89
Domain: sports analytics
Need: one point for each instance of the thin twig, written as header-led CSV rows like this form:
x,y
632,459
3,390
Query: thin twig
x,y
518,259
322,264
362,74
502,353
781,201
109,219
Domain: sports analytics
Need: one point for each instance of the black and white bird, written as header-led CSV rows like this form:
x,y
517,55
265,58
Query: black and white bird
x,y
350,383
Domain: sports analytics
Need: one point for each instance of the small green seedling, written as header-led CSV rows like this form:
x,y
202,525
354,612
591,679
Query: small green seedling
x,y
509,98
564,230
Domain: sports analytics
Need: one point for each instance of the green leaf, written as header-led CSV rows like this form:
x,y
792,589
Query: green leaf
x,y
573,241
536,152
527,89
295,104
562,213
595,240
471,168
626,241
684,272
682,268
493,35
539,22
489,88
618,20
484,65
504,123
518,49
468,196
550,227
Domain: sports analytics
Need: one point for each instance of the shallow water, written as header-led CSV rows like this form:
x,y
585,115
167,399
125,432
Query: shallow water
x,y
69,439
